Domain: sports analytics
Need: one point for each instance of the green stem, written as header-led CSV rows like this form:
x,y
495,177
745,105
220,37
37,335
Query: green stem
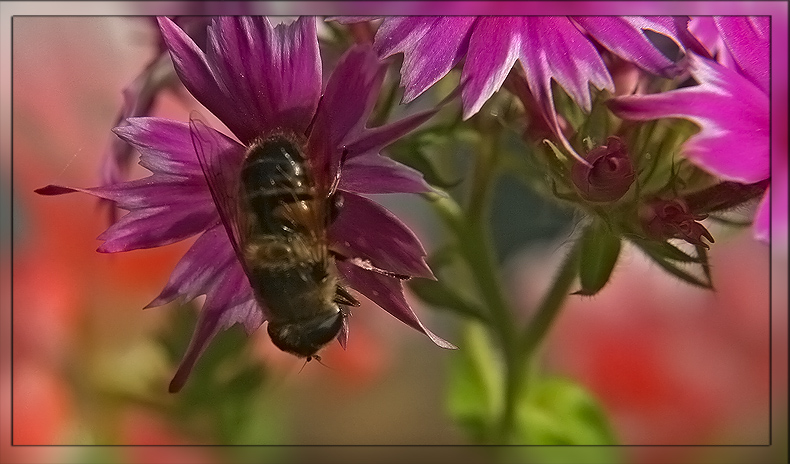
x,y
480,255
550,307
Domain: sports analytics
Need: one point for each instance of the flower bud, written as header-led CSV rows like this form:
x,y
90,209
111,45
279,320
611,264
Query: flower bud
x,y
664,219
609,175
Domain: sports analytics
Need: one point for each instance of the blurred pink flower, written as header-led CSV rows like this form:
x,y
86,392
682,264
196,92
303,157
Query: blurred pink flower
x,y
731,106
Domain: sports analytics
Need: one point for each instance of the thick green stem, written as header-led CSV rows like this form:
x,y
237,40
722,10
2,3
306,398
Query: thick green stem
x,y
480,254
472,230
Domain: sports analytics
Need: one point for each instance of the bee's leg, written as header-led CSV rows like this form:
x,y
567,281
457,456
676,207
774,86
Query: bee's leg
x,y
342,296
336,180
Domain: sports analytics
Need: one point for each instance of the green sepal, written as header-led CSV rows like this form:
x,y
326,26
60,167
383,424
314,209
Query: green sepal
x,y
664,249
674,269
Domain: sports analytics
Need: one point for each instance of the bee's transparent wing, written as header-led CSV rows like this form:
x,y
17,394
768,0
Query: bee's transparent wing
x,y
220,159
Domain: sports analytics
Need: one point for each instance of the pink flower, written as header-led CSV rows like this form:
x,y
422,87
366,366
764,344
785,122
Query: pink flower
x,y
549,47
731,106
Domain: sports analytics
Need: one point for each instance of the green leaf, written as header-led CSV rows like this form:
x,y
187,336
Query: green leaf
x,y
599,253
476,391
561,412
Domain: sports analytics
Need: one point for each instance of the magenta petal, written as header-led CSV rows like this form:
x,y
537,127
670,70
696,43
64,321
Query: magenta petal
x,y
165,145
138,99
210,267
749,41
377,174
253,77
373,140
211,259
364,229
213,318
163,208
431,46
273,75
401,33
624,37
387,292
732,113
347,102
492,52
194,71
555,48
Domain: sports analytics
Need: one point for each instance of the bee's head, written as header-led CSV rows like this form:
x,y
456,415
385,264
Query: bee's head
x,y
304,338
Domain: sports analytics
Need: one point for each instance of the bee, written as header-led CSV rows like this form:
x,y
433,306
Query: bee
x,y
277,212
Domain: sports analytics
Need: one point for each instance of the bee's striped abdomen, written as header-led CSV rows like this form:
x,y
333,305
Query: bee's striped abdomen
x,y
274,175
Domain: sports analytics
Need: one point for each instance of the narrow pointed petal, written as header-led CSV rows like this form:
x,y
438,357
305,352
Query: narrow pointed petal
x,y
733,115
387,292
171,205
138,100
371,141
493,49
569,57
197,76
345,107
165,145
207,327
364,229
748,40
623,36
431,47
378,174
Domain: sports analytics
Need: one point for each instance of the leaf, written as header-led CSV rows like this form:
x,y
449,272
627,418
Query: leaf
x,y
561,412
599,253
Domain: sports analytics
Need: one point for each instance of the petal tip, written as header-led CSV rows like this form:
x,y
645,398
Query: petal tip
x,y
50,190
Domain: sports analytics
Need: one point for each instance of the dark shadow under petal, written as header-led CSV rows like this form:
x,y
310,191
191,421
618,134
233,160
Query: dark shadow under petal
x,y
387,292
